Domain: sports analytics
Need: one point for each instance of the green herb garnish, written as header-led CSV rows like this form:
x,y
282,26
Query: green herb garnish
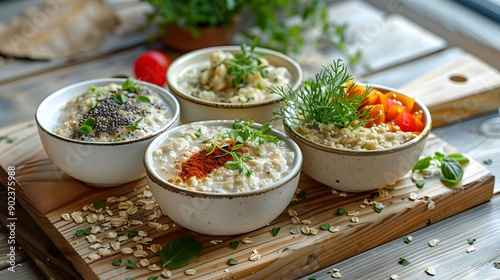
x,y
120,98
87,126
143,99
180,252
420,184
131,84
403,261
488,161
130,264
325,226
245,63
152,278
241,133
471,241
374,195
98,205
232,261
116,262
234,244
326,100
341,212
134,125
449,165
302,194
377,208
132,233
407,240
275,231
85,231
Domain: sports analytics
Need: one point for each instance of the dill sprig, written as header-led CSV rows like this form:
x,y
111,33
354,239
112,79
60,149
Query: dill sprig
x,y
240,133
324,100
243,64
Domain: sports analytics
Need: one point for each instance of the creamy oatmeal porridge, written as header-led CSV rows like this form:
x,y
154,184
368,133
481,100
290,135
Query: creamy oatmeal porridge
x,y
187,160
113,113
215,81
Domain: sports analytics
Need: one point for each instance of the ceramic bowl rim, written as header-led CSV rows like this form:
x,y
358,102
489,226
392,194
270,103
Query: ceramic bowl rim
x,y
422,136
166,95
232,48
153,176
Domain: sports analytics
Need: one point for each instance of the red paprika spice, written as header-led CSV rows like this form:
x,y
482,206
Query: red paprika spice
x,y
201,164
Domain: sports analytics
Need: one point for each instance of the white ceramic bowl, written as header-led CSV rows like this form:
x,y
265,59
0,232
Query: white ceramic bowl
x,y
194,109
222,213
98,164
359,171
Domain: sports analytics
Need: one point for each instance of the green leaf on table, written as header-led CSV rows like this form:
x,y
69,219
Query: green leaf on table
x,y
451,170
422,164
459,158
116,262
130,264
180,252
232,261
275,231
234,244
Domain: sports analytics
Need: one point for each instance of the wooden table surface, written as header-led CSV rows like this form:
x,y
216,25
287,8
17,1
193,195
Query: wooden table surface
x,y
23,84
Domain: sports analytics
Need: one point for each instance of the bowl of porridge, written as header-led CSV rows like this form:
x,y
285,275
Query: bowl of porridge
x,y
230,82
97,131
369,151
223,177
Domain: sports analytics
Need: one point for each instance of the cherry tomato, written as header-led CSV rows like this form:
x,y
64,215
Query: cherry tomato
x,y
152,66
406,122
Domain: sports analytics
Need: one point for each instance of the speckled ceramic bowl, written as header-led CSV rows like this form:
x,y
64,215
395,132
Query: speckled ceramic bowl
x,y
359,171
194,109
222,213
99,164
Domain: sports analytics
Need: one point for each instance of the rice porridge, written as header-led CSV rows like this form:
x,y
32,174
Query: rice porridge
x,y
184,159
212,82
113,113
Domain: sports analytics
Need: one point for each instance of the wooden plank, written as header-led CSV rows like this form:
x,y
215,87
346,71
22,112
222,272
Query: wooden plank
x,y
46,193
449,258
463,88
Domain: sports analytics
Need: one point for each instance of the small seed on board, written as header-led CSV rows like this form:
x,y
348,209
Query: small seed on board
x,y
334,229
144,262
247,240
433,242
355,219
413,196
431,271
470,249
167,273
336,274
190,272
394,277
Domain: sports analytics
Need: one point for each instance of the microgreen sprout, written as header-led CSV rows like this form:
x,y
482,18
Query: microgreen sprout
x,y
131,84
243,64
134,125
87,126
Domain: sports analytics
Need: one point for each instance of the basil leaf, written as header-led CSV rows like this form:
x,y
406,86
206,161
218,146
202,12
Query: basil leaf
x,y
451,170
180,252
458,157
422,164
152,278
275,231
232,261
131,83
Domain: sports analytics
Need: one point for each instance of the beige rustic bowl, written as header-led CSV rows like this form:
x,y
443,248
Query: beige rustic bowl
x,y
97,164
359,171
222,213
194,109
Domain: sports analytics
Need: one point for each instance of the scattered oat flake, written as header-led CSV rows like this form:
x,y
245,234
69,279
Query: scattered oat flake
x,y
355,219
394,277
247,240
342,194
155,267
352,213
167,273
334,229
255,256
470,249
215,242
292,212
336,274
433,242
412,196
190,272
431,204
295,229
66,217
431,271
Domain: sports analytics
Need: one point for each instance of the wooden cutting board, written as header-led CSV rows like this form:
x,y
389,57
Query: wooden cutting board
x,y
47,193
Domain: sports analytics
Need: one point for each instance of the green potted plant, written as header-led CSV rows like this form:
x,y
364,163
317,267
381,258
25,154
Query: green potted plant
x,y
212,22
